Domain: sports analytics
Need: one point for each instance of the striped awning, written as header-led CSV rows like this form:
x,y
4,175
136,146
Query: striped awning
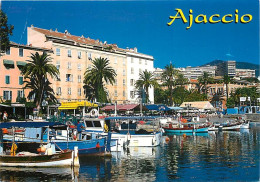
x,y
8,62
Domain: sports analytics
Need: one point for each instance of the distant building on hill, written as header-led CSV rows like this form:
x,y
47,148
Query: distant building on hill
x,y
245,73
226,68
196,72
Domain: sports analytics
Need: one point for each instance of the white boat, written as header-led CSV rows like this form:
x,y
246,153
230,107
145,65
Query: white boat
x,y
230,126
245,125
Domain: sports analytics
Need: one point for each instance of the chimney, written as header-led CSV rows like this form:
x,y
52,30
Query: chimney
x,y
56,30
135,49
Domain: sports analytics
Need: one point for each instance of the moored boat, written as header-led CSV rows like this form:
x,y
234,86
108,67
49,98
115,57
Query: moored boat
x,y
189,127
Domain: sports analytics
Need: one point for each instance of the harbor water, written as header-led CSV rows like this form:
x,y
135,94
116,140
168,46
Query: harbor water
x,y
213,156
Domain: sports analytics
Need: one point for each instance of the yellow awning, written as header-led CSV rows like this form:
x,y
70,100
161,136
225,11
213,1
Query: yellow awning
x,y
75,105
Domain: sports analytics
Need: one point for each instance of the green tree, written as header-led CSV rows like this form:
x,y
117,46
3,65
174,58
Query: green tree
x,y
36,72
169,77
160,96
204,80
5,31
146,80
96,76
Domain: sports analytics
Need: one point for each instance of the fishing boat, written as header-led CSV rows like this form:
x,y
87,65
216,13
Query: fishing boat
x,y
245,125
62,137
189,127
46,155
135,131
230,126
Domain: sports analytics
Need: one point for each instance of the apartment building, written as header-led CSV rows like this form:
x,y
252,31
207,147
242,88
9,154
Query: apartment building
x,y
73,55
196,72
244,73
136,64
226,68
11,64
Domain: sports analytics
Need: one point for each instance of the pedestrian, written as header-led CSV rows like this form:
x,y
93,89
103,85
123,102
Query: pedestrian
x,y
5,116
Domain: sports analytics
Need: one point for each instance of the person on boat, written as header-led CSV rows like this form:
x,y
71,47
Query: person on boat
x,y
80,128
5,116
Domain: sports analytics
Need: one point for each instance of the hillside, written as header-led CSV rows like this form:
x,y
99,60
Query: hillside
x,y
239,65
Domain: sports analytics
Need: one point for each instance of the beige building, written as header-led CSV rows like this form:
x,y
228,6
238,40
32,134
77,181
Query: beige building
x,y
244,73
73,55
11,63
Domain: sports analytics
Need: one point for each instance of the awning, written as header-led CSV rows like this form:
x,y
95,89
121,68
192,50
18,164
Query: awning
x,y
76,105
155,107
27,124
125,107
8,62
21,63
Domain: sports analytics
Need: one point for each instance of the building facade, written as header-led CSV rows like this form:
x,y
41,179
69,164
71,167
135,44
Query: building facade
x,y
226,68
11,64
74,54
245,73
196,72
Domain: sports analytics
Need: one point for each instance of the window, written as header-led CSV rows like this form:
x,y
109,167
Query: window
x,y
69,91
123,93
7,95
123,81
69,65
132,60
58,65
79,54
123,72
89,56
20,80
115,60
7,79
145,62
69,53
123,62
79,66
140,61
79,91
21,52
58,91
132,70
115,93
131,82
69,78
140,70
8,52
57,52
20,94
79,78
132,95
115,81
89,66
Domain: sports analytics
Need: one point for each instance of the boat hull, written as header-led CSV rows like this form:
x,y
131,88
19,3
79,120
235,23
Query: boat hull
x,y
85,147
56,160
184,130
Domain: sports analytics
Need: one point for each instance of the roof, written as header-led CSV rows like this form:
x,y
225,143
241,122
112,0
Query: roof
x,y
13,44
125,107
78,39
198,104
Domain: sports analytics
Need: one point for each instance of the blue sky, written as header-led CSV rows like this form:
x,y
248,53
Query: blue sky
x,y
143,24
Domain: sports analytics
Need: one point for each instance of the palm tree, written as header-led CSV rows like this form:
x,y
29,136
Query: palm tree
x,y
181,80
169,76
204,80
37,72
146,80
226,81
95,77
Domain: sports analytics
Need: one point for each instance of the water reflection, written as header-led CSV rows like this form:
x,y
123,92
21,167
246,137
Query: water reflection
x,y
38,174
213,156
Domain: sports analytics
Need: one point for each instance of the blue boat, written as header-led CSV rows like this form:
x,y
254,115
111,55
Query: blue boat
x,y
61,136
